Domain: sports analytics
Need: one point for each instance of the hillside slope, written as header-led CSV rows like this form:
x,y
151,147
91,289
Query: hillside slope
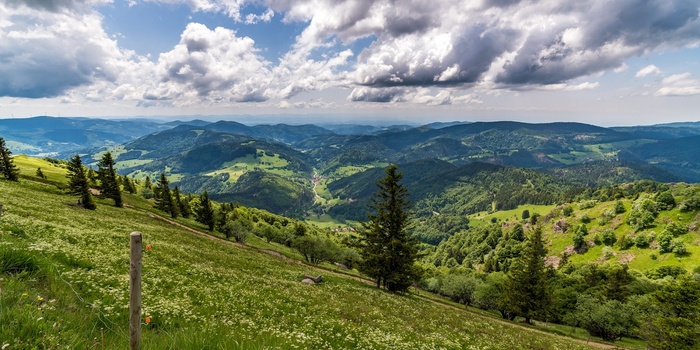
x,y
200,293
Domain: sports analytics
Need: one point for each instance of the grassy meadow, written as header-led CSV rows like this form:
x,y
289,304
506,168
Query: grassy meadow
x,y
69,289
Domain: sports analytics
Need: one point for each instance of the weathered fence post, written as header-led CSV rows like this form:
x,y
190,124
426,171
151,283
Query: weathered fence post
x,y
135,292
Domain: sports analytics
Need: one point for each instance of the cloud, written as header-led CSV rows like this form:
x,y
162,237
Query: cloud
x,y
56,5
45,53
648,70
512,43
215,65
679,85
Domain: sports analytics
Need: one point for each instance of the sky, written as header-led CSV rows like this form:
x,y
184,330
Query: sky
x,y
622,62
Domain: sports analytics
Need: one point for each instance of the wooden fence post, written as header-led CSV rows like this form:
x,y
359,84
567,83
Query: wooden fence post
x,y
135,292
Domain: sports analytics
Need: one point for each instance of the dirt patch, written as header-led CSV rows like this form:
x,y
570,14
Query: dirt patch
x,y
626,258
552,261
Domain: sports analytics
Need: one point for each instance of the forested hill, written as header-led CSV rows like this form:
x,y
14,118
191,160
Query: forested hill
x,y
438,187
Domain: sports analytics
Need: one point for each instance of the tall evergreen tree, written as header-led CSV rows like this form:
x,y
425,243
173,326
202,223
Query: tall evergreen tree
x,y
78,183
527,282
7,165
147,183
108,179
165,201
388,251
183,205
205,212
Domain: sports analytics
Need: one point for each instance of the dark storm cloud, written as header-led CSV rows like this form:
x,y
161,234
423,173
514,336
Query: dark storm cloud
x,y
608,34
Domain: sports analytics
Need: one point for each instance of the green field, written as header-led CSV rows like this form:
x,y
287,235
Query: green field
x,y
271,163
202,293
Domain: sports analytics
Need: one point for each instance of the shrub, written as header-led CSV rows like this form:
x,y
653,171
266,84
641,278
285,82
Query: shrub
x,y
641,241
585,218
665,201
526,214
619,207
568,210
587,204
678,247
609,320
626,242
677,229
460,288
664,241
608,237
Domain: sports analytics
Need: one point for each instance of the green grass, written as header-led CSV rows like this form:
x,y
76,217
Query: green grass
x,y
484,218
28,166
239,166
201,293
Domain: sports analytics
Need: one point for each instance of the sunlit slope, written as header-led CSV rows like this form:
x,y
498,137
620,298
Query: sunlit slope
x,y
201,293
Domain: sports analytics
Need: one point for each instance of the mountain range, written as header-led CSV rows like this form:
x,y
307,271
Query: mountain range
x,y
302,169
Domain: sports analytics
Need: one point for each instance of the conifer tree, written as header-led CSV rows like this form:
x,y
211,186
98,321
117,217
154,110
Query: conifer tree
x,y
165,201
527,281
7,166
78,183
40,174
128,184
182,203
388,250
108,179
147,183
204,212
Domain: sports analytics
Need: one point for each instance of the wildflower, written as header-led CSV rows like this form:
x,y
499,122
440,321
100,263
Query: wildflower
x,y
148,319
148,247
39,319
5,346
40,298
25,294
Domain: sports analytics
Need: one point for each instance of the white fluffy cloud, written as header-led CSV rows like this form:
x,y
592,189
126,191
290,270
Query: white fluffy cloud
x,y
215,65
648,70
679,85
48,51
421,52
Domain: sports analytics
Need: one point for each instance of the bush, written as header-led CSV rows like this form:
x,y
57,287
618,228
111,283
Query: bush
x,y
677,229
568,210
609,320
665,201
587,204
608,237
678,247
625,242
619,207
585,218
236,230
316,249
641,241
526,214
664,241
460,288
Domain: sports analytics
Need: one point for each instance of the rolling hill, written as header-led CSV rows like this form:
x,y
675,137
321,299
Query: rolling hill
x,y
71,289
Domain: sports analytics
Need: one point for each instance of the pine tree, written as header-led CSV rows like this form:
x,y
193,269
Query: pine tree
x,y
205,212
40,174
165,201
147,183
183,205
7,166
527,282
387,249
78,183
108,179
128,185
